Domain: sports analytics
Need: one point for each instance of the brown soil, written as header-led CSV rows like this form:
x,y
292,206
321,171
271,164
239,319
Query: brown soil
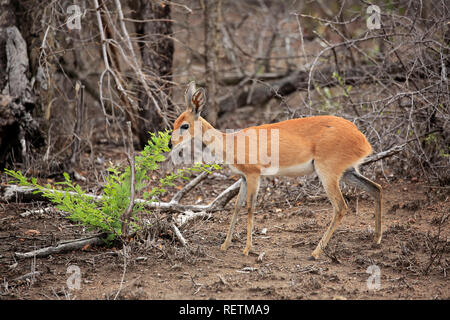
x,y
294,222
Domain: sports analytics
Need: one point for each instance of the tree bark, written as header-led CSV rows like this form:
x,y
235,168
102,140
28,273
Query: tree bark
x,y
18,130
7,19
157,58
212,30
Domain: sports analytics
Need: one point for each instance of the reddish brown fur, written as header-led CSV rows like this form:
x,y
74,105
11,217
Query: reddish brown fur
x,y
335,145
330,140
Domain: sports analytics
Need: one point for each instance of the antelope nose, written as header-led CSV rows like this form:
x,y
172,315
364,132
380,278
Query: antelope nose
x,y
170,144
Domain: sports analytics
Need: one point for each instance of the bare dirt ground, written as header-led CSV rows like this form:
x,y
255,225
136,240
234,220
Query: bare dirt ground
x,y
413,258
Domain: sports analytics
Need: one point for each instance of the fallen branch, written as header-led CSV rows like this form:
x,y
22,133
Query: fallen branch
x,y
31,274
225,197
178,234
180,194
187,216
61,247
15,193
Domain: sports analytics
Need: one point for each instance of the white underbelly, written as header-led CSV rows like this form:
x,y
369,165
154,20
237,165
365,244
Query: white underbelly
x,y
301,169
297,170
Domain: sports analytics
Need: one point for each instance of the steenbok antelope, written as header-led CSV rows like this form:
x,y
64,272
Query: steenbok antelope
x,y
328,145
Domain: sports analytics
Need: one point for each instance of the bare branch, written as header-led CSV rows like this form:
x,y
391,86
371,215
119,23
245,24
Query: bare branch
x,y
61,247
130,155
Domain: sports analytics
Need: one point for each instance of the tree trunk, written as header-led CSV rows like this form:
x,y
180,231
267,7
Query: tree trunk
x,y
7,19
157,58
212,30
18,130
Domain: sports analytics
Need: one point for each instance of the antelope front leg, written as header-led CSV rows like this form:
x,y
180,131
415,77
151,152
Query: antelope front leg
x,y
248,244
253,186
239,202
227,241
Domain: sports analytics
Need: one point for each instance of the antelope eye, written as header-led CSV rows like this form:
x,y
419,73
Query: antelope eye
x,y
184,126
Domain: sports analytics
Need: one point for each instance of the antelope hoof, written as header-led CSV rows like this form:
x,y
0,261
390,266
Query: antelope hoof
x,y
246,251
377,238
314,256
224,246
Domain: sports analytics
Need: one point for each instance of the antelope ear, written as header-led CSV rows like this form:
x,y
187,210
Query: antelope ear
x,y
198,101
190,90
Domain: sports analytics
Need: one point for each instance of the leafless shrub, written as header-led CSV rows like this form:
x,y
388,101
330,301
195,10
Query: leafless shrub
x,y
436,245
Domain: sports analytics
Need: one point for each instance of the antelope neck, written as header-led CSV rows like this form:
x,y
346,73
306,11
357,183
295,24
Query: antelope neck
x,y
214,139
